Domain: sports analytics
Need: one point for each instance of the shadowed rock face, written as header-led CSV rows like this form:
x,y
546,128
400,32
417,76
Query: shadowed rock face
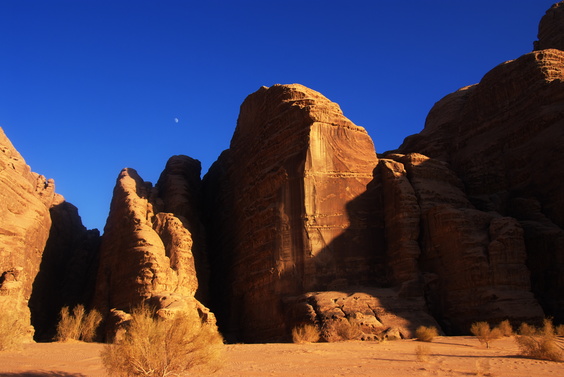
x,y
551,29
504,139
67,274
25,198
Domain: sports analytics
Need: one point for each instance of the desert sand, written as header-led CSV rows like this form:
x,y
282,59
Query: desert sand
x,y
451,356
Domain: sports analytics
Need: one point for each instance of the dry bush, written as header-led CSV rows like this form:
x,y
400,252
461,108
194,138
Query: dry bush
x,y
505,328
560,330
426,334
542,345
485,333
306,333
423,352
156,347
12,329
526,329
342,330
79,325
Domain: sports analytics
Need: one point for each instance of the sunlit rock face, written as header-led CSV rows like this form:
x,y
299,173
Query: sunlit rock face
x,y
503,138
146,252
25,199
291,208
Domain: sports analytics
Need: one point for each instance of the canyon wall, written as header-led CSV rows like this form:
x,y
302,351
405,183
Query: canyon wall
x,y
299,221
503,138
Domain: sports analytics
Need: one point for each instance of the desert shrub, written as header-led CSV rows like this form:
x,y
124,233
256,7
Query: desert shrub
x,y
485,333
12,329
158,347
305,334
79,325
560,330
422,353
526,329
541,345
426,334
505,328
342,330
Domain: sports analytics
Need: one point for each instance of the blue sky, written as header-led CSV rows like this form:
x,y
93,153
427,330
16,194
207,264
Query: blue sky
x,y
90,87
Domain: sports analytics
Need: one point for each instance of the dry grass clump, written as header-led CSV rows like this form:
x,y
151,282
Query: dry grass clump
x,y
156,347
79,325
426,334
423,353
12,329
306,333
542,344
485,333
342,330
505,328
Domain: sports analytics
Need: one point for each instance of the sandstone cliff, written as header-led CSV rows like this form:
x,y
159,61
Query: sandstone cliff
x,y
146,253
25,198
291,213
503,138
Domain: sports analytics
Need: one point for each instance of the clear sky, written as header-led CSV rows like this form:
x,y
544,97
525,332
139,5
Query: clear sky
x,y
88,87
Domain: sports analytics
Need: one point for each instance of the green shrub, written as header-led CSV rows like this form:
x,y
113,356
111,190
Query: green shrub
x,y
426,334
156,347
305,334
79,325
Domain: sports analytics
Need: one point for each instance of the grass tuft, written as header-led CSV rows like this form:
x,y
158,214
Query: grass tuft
x,y
426,334
306,333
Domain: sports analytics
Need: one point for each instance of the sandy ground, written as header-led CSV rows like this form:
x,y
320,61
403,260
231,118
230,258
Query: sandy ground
x,y
450,356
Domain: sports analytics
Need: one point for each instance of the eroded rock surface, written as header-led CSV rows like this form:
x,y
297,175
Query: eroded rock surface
x,y
145,251
503,138
25,199
292,210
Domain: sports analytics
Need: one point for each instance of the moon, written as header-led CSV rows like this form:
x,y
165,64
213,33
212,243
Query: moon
x,y
175,120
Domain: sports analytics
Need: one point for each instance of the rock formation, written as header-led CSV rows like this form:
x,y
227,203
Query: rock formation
x,y
146,252
47,257
25,198
503,138
295,215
